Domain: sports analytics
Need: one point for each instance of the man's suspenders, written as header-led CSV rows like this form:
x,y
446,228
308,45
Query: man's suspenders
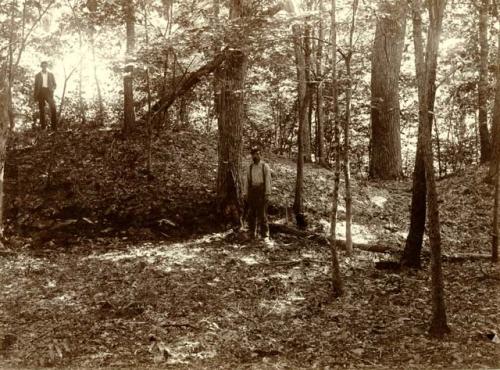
x,y
263,174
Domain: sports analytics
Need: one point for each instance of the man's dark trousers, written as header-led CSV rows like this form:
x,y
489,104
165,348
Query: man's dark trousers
x,y
257,210
46,95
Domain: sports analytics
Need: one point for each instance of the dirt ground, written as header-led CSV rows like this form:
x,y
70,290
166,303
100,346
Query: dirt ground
x,y
213,302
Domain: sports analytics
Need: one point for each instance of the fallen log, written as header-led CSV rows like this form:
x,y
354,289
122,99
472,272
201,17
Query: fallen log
x,y
375,248
322,240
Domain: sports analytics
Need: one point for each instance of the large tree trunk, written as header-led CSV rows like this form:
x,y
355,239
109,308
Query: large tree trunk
x,y
128,76
320,137
496,218
413,247
4,132
230,123
306,129
303,96
439,325
482,87
385,158
495,126
216,45
337,283
347,126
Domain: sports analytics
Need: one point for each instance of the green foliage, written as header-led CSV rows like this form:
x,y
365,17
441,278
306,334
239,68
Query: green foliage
x,y
175,38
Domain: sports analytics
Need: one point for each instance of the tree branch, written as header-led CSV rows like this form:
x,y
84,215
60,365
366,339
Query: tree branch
x,y
187,82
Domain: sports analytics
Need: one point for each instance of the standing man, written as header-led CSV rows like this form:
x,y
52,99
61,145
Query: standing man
x,y
259,189
45,84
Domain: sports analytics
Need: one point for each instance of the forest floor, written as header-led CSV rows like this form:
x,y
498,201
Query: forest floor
x,y
82,287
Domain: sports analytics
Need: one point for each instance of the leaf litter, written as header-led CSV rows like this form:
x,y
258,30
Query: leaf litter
x,y
213,301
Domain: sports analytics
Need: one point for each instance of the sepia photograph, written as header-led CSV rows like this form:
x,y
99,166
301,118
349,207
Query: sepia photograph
x,y
249,184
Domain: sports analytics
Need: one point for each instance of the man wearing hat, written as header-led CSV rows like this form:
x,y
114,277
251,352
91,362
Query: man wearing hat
x,y
259,190
45,84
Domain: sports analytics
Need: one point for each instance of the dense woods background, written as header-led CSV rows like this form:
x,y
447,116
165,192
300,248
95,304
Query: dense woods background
x,y
382,113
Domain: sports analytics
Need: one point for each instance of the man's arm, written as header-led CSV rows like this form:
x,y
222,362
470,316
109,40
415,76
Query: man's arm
x,y
268,184
249,179
54,85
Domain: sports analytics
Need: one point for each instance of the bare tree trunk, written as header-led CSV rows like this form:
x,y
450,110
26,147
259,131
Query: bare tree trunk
x,y
337,283
128,76
347,124
482,93
439,325
496,217
10,106
495,127
413,247
216,49
385,158
303,97
149,136
320,136
306,128
4,132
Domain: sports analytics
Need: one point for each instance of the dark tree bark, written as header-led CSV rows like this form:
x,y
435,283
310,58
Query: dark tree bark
x,y
128,76
385,158
320,114
347,125
482,87
303,97
230,123
439,325
495,127
337,283
306,129
4,132
496,218
411,256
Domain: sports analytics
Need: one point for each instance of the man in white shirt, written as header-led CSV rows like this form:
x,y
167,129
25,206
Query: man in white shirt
x,y
259,190
45,84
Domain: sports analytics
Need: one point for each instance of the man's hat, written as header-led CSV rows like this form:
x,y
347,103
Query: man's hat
x,y
44,62
254,149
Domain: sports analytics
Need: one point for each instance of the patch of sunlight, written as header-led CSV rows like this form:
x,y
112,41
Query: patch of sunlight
x,y
23,262
208,238
291,276
282,306
378,200
360,233
66,299
294,297
185,350
401,234
311,254
167,255
252,259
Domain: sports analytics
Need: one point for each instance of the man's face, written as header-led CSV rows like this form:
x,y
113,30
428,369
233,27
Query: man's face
x,y
256,157
44,67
